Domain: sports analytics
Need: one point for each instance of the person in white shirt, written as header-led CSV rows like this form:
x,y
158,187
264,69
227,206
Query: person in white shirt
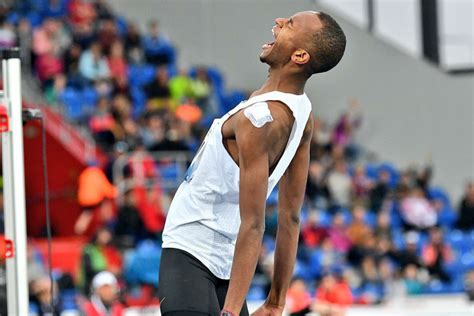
x,y
214,230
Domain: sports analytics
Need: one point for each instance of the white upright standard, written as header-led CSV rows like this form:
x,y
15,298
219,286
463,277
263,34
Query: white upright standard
x,y
14,184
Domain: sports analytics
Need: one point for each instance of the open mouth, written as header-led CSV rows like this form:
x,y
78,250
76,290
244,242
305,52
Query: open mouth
x,y
270,44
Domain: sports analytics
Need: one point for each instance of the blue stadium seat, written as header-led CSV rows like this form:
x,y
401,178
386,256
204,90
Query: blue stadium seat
x,y
324,218
371,171
216,77
457,239
230,100
371,219
169,171
256,293
139,75
273,198
122,25
347,215
394,174
143,264
89,97
138,99
398,238
437,193
447,217
303,271
34,18
71,99
467,260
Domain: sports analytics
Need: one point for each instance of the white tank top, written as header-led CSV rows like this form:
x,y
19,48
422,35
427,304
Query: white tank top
x,y
204,216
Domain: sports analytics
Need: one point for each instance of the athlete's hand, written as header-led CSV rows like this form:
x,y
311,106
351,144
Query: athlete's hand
x,y
266,310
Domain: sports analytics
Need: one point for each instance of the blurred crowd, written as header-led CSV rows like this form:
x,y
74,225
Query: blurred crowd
x,y
368,231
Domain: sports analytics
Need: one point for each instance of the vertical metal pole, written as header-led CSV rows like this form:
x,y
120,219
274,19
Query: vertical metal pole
x,y
14,185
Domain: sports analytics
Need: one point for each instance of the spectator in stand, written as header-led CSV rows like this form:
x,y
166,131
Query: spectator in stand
x,y
158,91
107,34
409,255
469,285
93,65
361,183
41,298
312,233
436,254
404,186
51,37
132,38
321,134
201,89
95,193
367,248
412,281
48,66
180,87
316,187
326,257
126,128
71,66
157,48
129,227
153,130
358,230
343,133
298,299
333,296
382,228
466,209
7,35
423,176
53,93
104,300
380,191
103,10
117,61
337,234
339,185
142,166
189,112
82,15
102,124
120,86
371,278
25,40
417,212
99,255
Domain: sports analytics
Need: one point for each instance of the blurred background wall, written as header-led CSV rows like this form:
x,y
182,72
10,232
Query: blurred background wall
x,y
413,110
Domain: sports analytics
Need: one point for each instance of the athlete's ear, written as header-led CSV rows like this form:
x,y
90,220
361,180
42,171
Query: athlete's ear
x,y
300,57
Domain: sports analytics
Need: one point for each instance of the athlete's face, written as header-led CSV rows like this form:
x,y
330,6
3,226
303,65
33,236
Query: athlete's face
x,y
292,35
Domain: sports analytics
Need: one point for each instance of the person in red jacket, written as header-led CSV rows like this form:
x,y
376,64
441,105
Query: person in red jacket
x,y
333,296
104,299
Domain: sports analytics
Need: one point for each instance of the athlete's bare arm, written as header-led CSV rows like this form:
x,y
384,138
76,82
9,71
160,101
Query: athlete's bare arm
x,y
258,151
290,198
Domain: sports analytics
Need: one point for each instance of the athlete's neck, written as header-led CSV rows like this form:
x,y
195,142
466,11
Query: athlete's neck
x,y
281,80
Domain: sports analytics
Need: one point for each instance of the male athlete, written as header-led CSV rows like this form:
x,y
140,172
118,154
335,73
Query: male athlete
x,y
215,224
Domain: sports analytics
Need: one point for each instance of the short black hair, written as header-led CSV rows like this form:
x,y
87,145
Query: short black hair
x,y
328,43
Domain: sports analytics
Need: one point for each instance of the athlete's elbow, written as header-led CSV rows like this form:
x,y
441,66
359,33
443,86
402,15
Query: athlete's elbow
x,y
255,227
291,219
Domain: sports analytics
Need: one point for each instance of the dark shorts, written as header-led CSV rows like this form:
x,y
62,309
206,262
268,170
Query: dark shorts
x,y
187,287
